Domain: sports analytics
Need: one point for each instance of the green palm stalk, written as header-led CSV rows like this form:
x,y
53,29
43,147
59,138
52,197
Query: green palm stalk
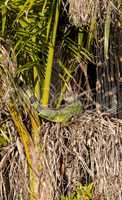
x,y
47,81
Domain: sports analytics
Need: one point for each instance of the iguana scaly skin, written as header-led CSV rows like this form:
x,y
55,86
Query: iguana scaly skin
x,y
63,114
56,115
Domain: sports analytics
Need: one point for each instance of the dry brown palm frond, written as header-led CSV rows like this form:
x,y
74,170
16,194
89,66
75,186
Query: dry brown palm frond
x,y
13,166
88,148
13,176
81,11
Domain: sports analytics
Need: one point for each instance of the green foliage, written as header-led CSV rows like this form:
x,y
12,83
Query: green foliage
x,y
107,32
34,30
81,193
3,141
4,138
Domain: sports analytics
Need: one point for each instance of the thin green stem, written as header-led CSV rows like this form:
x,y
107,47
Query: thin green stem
x,y
47,81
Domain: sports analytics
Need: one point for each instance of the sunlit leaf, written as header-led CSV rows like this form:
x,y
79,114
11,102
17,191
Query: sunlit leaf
x,y
4,12
107,31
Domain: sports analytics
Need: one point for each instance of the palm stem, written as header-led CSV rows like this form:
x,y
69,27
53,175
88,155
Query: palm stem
x,y
47,81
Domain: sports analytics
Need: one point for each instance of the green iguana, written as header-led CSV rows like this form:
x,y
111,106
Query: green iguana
x,y
63,114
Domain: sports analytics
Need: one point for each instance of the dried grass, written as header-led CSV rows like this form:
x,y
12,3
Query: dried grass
x,y
13,166
86,149
81,11
13,176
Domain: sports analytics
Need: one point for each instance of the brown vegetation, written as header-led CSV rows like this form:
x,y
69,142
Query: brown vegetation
x,y
86,149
